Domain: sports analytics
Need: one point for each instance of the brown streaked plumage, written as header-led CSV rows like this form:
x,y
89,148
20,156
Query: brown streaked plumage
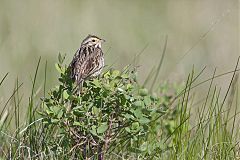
x,y
88,61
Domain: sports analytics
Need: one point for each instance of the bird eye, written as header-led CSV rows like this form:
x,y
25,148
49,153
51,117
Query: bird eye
x,y
93,40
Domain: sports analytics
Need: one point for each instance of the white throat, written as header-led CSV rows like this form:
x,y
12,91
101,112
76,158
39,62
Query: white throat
x,y
98,45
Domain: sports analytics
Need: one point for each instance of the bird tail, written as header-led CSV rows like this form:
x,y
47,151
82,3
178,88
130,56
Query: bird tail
x,y
78,89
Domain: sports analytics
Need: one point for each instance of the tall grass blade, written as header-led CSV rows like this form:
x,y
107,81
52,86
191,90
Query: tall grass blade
x,y
160,64
4,78
231,82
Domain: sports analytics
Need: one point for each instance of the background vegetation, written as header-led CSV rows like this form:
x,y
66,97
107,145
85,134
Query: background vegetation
x,y
206,30
203,34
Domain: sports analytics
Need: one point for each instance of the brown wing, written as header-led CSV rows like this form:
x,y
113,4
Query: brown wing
x,y
76,65
86,63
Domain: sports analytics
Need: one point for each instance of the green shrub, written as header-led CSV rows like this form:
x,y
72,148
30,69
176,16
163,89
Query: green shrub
x,y
113,115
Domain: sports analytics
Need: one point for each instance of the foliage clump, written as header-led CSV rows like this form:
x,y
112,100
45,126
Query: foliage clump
x,y
113,115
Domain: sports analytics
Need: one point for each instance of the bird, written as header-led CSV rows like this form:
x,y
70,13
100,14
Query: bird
x,y
88,60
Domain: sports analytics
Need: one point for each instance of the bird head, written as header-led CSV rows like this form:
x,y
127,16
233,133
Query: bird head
x,y
94,41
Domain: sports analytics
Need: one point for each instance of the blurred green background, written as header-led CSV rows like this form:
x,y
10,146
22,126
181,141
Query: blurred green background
x,y
207,31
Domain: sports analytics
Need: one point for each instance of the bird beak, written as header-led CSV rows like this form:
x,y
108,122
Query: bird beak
x,y
103,40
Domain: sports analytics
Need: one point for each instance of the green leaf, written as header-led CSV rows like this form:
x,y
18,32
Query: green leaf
x,y
107,87
144,120
49,111
129,86
77,107
129,116
154,97
125,76
65,94
143,92
138,104
58,67
61,58
60,114
96,83
75,123
120,89
122,99
170,126
127,96
96,110
135,126
128,129
143,147
93,130
115,73
137,113
55,109
102,128
147,100
107,74
148,111
54,120
113,84
78,113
